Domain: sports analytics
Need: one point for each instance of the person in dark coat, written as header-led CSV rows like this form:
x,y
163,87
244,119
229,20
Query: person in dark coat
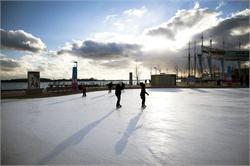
x,y
142,94
83,91
118,90
110,85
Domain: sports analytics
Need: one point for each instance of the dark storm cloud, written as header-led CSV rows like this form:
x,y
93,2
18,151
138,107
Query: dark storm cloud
x,y
120,64
225,31
8,65
101,51
20,40
165,60
162,32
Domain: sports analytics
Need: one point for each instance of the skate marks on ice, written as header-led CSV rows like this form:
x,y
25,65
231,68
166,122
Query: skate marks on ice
x,y
74,139
121,144
99,96
199,90
64,101
77,98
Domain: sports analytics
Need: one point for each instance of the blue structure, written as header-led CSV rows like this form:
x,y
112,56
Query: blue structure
x,y
74,77
74,73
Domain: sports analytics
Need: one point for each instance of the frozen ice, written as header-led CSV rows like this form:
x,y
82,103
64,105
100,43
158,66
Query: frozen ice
x,y
178,127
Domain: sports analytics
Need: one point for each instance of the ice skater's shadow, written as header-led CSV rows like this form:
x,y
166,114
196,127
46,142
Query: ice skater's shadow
x,y
121,144
74,139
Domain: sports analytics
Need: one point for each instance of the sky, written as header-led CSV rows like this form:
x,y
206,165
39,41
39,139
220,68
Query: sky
x,y
109,39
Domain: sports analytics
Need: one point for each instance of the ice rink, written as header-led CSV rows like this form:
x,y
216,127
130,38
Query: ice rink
x,y
178,127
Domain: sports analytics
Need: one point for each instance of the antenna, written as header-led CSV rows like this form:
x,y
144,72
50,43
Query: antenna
x,y
210,56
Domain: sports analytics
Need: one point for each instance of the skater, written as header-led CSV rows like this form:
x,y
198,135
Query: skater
x,y
110,85
83,91
118,90
142,94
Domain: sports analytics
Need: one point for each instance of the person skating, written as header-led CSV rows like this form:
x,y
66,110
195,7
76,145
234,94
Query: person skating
x,y
118,90
110,85
142,94
83,91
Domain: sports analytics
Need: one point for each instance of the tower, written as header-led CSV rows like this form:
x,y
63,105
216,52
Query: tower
x,y
74,76
130,78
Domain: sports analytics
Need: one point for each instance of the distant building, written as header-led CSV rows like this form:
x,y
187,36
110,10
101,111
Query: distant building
x,y
33,83
33,79
163,80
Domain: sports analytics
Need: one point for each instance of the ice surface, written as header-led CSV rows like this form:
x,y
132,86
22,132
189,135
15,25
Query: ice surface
x,y
178,127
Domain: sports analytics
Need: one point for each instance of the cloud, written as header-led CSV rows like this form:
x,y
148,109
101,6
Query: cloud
x,y
8,64
186,23
127,15
116,64
230,30
100,51
136,12
129,21
110,17
111,59
245,12
221,4
21,40
49,67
